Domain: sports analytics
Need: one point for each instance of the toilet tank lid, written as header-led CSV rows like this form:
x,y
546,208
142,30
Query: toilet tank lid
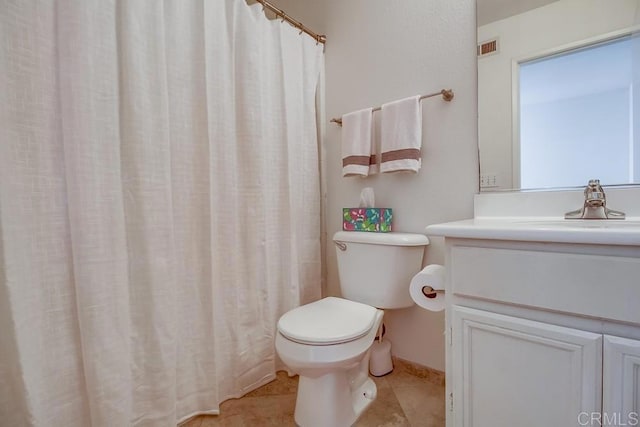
x,y
392,239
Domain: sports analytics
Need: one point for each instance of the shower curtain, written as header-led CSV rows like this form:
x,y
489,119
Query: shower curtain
x,y
159,205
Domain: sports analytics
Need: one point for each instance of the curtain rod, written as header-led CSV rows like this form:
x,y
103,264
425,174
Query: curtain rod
x,y
320,38
447,95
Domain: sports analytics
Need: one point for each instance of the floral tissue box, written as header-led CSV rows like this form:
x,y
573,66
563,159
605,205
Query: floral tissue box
x,y
367,219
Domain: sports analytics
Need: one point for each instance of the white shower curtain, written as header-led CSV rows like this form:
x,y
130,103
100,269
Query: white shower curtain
x,y
159,205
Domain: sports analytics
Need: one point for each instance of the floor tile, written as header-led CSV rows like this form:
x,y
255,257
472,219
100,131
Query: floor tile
x,y
385,411
404,400
283,384
193,422
216,421
259,411
423,405
381,382
400,376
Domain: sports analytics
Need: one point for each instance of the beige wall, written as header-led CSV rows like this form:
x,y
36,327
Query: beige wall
x,y
379,51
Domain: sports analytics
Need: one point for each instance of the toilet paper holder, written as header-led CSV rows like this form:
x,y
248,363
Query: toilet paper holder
x,y
429,292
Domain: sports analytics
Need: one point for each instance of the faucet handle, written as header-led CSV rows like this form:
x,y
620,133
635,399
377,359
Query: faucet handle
x,y
594,185
594,193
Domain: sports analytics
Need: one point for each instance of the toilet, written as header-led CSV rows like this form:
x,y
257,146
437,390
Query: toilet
x,y
328,342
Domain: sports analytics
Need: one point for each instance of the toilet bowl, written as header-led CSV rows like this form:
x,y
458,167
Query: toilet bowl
x,y
328,344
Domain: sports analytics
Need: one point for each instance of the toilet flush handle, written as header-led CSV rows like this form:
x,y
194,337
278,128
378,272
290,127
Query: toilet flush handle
x,y
341,245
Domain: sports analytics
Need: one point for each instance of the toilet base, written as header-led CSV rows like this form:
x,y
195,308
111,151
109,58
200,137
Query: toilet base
x,y
333,400
334,387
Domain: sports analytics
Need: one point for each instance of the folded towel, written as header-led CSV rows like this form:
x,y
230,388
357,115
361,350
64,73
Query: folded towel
x,y
357,145
401,135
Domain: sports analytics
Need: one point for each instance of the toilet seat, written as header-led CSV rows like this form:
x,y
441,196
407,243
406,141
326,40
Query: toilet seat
x,y
328,321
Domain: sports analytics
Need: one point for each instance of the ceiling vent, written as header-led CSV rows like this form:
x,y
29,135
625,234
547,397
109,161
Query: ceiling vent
x,y
488,47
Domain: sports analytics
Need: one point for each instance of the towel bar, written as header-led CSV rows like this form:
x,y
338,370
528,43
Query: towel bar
x,y
447,95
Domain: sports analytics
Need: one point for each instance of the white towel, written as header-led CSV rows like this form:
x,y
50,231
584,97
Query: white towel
x,y
358,152
401,135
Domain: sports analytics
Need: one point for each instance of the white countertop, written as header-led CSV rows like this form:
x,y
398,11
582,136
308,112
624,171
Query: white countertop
x,y
543,229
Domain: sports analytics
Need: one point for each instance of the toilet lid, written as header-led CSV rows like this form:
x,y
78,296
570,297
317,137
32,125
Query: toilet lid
x,y
327,321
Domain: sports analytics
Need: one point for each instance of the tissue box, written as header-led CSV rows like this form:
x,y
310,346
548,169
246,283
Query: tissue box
x,y
367,219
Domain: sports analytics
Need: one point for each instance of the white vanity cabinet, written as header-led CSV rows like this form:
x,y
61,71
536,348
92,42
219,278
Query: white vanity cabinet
x,y
621,383
510,371
541,333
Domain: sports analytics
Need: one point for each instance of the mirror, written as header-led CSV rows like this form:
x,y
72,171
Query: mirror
x,y
558,97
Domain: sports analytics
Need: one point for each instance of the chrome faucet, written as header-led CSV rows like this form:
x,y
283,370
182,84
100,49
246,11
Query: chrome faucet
x,y
595,205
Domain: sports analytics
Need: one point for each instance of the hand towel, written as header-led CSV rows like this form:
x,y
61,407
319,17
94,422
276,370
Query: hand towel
x,y
401,135
358,152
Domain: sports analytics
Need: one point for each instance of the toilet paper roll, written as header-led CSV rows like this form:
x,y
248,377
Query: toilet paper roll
x,y
427,287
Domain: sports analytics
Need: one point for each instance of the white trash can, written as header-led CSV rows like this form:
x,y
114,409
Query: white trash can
x,y
380,362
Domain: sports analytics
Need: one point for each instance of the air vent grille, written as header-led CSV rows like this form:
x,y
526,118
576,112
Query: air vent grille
x,y
489,47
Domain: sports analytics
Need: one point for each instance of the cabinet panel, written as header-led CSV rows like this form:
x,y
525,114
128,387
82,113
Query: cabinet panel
x,y
509,371
621,382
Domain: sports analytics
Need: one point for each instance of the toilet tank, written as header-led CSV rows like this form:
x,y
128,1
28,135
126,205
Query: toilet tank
x,y
376,268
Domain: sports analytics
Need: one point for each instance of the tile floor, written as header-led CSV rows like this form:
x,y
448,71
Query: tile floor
x,y
407,397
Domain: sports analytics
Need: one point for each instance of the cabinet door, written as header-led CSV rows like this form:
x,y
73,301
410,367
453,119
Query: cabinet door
x,y
621,381
509,371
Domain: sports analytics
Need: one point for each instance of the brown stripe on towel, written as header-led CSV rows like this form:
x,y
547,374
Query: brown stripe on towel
x,y
406,153
355,160
373,159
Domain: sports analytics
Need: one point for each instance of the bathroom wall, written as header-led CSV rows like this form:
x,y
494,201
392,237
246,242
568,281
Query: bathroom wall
x,y
379,51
